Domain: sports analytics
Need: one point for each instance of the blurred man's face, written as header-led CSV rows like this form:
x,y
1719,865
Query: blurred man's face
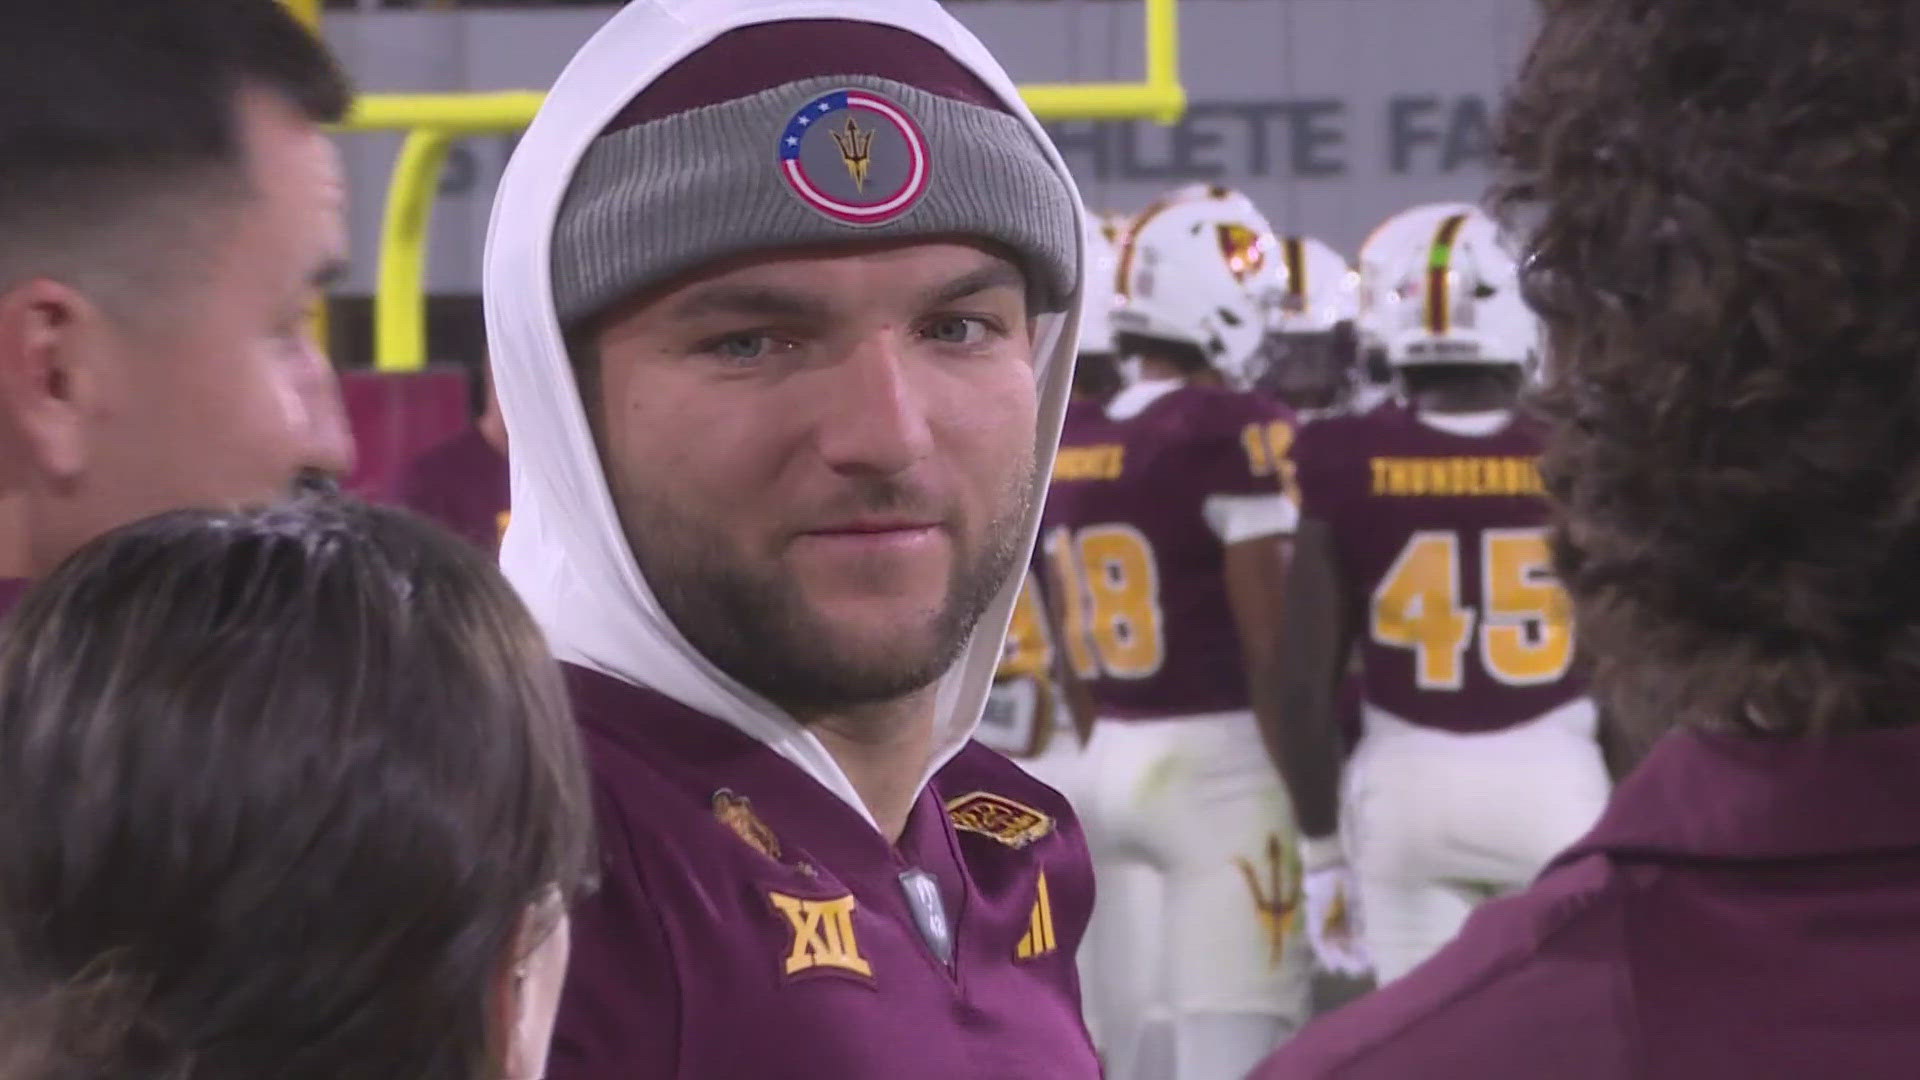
x,y
823,461
209,391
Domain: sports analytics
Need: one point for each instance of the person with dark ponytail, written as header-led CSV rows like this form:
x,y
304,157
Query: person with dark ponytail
x,y
288,793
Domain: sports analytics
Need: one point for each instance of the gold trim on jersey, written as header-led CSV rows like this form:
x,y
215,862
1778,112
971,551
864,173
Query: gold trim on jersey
x,y
1039,940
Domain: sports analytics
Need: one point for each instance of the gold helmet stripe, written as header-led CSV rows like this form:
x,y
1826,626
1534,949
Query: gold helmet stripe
x,y
1123,273
1440,275
1295,254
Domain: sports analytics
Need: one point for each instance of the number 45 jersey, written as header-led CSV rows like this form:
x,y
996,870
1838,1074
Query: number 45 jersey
x,y
1441,542
1145,499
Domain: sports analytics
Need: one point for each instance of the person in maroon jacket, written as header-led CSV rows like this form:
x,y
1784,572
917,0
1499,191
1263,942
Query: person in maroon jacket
x,y
462,483
169,209
781,300
1718,196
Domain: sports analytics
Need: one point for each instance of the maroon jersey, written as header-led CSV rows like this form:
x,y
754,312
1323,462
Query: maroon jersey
x,y
462,484
1029,642
1441,545
1745,909
1136,571
11,589
751,924
396,416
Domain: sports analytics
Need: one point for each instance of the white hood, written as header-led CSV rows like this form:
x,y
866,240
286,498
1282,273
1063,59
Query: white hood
x,y
564,549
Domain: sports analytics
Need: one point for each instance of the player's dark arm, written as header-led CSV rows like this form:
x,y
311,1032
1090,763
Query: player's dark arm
x,y
1074,695
1302,730
1257,592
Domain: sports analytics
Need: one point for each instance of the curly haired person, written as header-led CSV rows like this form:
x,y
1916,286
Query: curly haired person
x,y
1720,200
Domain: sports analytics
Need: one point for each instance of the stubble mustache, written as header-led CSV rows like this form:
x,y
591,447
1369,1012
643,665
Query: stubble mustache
x,y
868,498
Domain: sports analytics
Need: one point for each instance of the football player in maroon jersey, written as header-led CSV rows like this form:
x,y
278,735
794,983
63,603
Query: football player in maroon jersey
x,y
1165,539
1423,547
1311,363
1041,717
1716,200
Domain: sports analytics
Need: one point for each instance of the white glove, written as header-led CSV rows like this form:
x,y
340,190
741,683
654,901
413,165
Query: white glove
x,y
1333,911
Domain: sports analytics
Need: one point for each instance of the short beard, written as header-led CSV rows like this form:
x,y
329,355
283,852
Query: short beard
x,y
758,627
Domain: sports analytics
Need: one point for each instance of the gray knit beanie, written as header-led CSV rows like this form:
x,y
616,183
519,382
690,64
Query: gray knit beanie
x,y
806,132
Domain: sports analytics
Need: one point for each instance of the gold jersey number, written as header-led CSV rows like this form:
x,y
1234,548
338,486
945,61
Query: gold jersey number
x,y
1029,648
1269,448
1525,619
1110,601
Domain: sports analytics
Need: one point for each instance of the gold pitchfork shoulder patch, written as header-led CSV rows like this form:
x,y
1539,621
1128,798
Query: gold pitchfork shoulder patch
x,y
1014,824
736,813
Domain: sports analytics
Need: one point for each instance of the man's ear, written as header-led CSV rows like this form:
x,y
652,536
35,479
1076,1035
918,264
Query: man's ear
x,y
506,995
53,342
526,991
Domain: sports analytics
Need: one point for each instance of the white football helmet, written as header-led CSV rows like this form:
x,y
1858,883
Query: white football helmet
x,y
1452,296
1379,260
1309,359
1322,291
1202,267
1104,233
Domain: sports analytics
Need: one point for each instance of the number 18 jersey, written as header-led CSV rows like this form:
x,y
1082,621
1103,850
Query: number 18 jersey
x,y
1134,538
1441,543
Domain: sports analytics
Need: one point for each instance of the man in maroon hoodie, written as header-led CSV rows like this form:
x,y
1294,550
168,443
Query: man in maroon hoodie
x,y
1721,196
169,208
780,297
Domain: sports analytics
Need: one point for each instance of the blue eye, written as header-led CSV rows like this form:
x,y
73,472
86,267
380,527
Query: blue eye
x,y
743,346
745,350
958,330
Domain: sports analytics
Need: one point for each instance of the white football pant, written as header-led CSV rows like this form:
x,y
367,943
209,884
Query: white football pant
x,y
1192,810
1435,823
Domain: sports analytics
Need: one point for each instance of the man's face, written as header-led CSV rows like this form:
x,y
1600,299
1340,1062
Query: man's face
x,y
210,389
822,461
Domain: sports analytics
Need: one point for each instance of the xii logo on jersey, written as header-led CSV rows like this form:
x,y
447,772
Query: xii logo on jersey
x,y
1276,895
1013,824
823,937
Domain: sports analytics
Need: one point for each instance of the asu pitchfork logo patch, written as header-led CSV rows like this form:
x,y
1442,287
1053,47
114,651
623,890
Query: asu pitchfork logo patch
x,y
856,157
736,813
1014,824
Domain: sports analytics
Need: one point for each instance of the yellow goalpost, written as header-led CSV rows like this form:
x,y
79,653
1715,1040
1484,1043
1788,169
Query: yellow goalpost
x,y
433,123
